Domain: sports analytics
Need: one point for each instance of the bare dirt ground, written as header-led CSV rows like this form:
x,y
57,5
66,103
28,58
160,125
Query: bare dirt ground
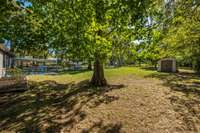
x,y
13,84
130,104
143,106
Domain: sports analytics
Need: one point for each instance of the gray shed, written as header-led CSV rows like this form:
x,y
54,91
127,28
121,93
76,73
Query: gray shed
x,y
167,65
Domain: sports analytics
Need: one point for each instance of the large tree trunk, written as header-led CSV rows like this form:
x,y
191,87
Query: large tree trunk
x,y
98,78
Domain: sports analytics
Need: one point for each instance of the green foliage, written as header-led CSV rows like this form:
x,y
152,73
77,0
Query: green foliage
x,y
183,36
86,30
78,28
15,72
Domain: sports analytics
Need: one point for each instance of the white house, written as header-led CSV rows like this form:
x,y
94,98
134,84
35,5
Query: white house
x,y
6,60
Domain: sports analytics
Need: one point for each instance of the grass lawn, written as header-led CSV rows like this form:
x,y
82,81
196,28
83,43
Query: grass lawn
x,y
77,76
137,100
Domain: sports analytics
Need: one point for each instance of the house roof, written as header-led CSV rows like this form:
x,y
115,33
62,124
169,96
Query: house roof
x,y
5,50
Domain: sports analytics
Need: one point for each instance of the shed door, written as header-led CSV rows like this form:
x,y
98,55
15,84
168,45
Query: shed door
x,y
166,66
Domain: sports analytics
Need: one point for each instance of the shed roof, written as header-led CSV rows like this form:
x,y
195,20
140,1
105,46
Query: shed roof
x,y
163,59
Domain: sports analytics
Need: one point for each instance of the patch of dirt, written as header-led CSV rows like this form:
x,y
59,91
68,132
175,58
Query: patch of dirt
x,y
13,84
131,104
143,106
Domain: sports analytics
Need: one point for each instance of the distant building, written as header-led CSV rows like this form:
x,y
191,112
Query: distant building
x,y
29,61
167,65
6,60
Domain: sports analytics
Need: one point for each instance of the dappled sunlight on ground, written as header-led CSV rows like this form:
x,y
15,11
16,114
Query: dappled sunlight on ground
x,y
137,100
185,96
49,106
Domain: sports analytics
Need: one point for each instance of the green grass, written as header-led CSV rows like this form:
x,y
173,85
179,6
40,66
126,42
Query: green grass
x,y
113,74
75,76
129,70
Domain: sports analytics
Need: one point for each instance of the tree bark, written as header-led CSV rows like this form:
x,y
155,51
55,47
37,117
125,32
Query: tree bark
x,y
98,78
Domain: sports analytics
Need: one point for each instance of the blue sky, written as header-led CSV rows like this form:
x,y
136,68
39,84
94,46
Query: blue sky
x,y
26,3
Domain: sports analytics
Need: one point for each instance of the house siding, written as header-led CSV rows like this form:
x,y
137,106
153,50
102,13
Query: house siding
x,y
2,69
1,59
6,60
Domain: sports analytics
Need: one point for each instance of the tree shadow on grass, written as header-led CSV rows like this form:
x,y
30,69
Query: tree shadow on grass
x,y
151,68
51,107
188,83
185,97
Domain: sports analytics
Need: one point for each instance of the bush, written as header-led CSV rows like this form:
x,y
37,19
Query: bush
x,y
14,72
